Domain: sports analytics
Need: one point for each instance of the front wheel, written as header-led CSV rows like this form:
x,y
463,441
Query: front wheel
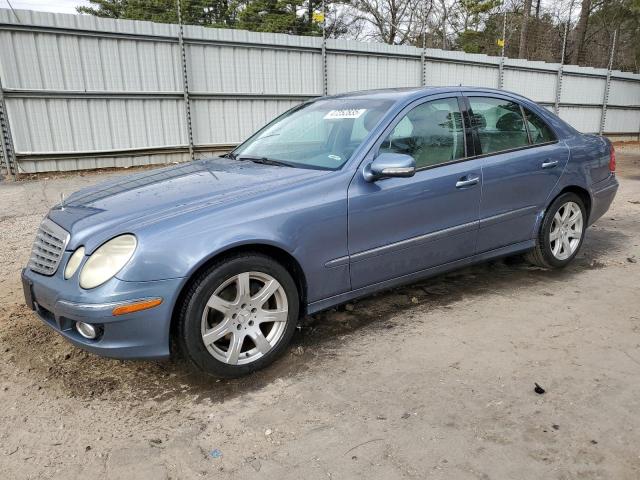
x,y
561,233
238,316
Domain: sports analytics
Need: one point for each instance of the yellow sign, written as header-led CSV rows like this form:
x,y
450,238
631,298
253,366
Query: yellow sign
x,y
501,42
318,17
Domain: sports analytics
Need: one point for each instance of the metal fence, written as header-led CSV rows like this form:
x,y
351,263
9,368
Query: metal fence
x,y
81,92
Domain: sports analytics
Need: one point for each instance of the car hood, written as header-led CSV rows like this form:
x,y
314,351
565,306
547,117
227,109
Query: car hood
x,y
141,199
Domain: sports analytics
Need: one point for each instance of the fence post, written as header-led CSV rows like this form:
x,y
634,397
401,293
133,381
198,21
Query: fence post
x,y
504,41
325,86
423,56
8,153
605,99
556,105
185,82
423,60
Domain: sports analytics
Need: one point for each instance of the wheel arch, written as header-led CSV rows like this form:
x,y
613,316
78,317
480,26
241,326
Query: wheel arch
x,y
582,192
286,259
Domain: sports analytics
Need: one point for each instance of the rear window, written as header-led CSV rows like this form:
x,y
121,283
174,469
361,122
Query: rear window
x,y
499,124
539,130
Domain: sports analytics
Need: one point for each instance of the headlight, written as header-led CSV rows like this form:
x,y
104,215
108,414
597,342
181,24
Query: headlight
x,y
73,263
107,260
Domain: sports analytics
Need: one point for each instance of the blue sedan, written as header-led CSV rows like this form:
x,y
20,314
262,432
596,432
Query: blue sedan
x,y
335,199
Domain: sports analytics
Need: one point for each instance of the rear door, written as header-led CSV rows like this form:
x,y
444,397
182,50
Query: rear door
x,y
522,161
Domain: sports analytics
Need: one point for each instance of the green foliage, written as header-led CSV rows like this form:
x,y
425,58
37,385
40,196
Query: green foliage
x,y
218,13
472,41
275,16
255,15
471,20
470,14
479,7
622,16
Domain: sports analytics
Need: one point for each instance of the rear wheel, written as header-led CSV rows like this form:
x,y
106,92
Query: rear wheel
x,y
238,316
561,233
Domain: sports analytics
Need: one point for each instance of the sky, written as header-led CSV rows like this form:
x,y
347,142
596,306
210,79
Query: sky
x,y
61,6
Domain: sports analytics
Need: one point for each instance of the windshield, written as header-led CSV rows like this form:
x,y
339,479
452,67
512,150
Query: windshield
x,y
322,134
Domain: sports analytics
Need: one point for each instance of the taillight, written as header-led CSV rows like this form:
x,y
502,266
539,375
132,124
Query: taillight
x,y
612,159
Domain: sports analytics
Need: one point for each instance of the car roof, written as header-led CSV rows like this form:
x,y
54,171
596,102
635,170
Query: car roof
x,y
404,96
411,93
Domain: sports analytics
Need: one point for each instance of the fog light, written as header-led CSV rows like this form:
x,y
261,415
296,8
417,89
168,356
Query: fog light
x,y
86,330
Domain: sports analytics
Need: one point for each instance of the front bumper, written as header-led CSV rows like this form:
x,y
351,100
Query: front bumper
x,y
139,335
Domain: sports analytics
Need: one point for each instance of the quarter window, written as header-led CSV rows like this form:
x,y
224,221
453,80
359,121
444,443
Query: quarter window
x,y
431,133
499,124
538,129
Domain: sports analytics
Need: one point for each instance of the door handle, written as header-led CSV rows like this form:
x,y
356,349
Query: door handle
x,y
549,163
467,182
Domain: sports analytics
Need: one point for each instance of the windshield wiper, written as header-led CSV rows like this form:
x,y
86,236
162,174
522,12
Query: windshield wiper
x,y
230,155
263,160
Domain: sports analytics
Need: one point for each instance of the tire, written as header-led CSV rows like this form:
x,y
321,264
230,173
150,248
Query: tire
x,y
548,253
231,322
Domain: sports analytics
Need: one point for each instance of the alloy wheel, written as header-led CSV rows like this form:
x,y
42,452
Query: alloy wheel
x,y
244,318
566,231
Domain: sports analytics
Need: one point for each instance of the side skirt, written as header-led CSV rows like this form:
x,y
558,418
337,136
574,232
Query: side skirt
x,y
326,303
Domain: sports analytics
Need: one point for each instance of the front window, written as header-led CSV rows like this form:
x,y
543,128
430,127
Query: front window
x,y
322,134
431,133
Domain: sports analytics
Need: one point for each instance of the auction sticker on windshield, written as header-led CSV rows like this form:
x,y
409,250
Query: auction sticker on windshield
x,y
345,113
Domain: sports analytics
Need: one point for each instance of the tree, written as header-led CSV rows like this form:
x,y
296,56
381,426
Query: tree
x,y
275,16
468,21
105,8
391,21
194,12
522,52
581,31
471,14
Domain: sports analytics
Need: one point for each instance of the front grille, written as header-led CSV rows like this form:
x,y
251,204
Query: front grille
x,y
51,240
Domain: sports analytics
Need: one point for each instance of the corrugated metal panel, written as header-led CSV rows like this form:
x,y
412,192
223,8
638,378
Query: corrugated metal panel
x,y
61,62
77,125
372,48
461,57
222,121
618,121
586,120
624,92
445,73
359,72
235,69
582,89
538,86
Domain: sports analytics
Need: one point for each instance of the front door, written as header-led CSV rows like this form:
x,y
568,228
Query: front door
x,y
399,226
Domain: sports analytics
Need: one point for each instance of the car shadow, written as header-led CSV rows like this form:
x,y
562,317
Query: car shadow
x,y
66,371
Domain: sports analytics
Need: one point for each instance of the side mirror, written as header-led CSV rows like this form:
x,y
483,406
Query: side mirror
x,y
390,165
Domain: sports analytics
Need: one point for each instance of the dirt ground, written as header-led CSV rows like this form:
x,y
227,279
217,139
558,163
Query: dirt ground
x,y
434,380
